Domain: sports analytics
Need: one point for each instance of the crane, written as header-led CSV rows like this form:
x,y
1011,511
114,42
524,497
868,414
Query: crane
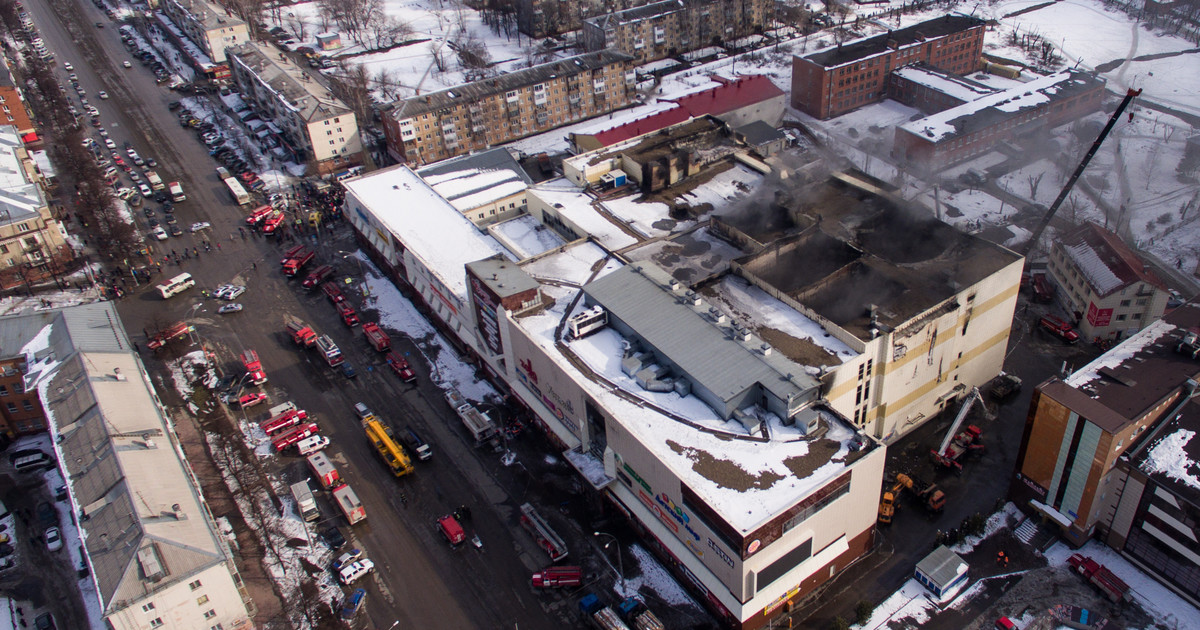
x,y
1062,195
955,444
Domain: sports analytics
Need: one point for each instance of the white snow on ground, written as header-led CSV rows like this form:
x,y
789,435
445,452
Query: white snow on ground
x,y
1167,608
397,313
183,372
995,522
654,577
910,602
1168,456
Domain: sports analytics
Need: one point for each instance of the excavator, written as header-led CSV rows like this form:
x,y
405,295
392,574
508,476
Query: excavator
x,y
929,495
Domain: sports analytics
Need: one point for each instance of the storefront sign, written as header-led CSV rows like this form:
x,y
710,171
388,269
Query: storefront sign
x,y
1098,317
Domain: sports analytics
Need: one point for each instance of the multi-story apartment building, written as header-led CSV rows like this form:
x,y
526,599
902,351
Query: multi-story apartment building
x,y
479,115
21,411
543,18
670,27
207,25
835,80
1104,284
155,554
318,126
12,105
1079,429
33,244
972,128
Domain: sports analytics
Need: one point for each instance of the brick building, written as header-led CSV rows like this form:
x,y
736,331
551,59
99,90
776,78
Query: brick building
x,y
21,412
962,132
12,106
1104,284
931,90
670,27
479,115
542,18
841,78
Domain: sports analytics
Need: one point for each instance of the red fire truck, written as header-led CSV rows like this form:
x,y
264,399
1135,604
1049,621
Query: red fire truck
x,y
253,367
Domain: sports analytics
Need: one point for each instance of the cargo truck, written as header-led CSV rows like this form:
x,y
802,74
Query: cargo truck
x,y
377,337
348,501
176,192
317,276
305,502
601,616
401,367
324,470
347,313
478,424
636,613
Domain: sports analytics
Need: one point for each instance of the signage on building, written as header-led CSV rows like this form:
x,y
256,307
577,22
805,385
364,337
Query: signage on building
x,y
1041,492
779,601
486,313
1098,317
558,405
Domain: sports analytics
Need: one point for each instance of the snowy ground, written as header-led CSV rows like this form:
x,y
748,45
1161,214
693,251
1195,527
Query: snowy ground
x,y
397,313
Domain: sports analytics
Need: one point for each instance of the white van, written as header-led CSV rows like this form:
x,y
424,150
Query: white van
x,y
312,444
32,462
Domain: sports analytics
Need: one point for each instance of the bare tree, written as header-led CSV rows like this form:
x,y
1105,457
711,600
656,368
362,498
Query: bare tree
x,y
439,60
473,53
1034,182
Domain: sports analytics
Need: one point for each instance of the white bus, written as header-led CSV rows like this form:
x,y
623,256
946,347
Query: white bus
x,y
176,285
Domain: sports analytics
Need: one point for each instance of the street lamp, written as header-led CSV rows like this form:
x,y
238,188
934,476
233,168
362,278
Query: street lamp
x,y
620,561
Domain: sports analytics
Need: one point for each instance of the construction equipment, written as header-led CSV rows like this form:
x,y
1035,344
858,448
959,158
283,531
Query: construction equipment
x,y
1066,189
955,444
930,496
384,441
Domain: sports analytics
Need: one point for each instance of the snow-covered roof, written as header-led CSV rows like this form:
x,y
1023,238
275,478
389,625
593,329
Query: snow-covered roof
x,y
959,87
525,236
474,180
19,197
574,205
992,109
430,228
289,85
635,14
860,49
1105,261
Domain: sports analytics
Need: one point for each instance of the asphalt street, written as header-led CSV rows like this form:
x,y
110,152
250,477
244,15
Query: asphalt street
x,y
420,580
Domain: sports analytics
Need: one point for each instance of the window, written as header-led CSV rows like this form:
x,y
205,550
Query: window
x,y
156,623
202,600
29,406
3,390
195,585
1120,318
1125,302
148,607
210,613
12,408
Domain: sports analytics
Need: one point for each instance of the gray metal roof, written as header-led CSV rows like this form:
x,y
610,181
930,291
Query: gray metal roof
x,y
941,566
287,81
758,133
456,178
635,14
479,90
705,348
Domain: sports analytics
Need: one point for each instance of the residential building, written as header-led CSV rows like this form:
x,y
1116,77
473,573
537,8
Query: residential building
x,y
479,115
12,104
544,18
671,27
1080,427
973,128
1104,284
1155,522
487,187
840,78
33,244
686,411
740,101
153,550
21,411
207,25
317,125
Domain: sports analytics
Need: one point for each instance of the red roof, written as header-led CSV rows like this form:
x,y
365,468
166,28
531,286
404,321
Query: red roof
x,y
1115,255
730,95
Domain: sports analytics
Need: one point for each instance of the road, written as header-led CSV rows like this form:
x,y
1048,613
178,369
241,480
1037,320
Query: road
x,y
420,581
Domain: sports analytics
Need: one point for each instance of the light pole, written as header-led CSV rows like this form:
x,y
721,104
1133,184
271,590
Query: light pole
x,y
620,562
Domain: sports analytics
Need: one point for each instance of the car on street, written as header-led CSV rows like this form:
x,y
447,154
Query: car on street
x,y
53,539
346,558
109,143
334,538
126,64
159,234
355,571
151,162
229,292
103,95
175,231
144,189
200,225
249,400
348,370
68,67
230,308
354,603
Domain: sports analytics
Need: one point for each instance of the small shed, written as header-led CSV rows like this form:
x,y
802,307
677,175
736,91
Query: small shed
x,y
329,41
942,572
761,137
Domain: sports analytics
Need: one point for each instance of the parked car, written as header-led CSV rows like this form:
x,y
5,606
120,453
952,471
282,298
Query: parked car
x,y
249,400
103,95
200,225
354,603
355,571
230,308
159,234
346,558
126,64
334,538
53,539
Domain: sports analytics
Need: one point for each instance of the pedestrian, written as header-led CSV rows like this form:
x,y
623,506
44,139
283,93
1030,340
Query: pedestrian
x,y
196,252
254,265
136,348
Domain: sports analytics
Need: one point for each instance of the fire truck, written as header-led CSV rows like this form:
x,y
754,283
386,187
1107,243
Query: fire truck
x,y
253,367
175,331
546,537
378,339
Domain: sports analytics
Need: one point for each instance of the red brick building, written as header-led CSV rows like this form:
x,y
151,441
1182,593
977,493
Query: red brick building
x,y
962,132
836,80
20,411
12,107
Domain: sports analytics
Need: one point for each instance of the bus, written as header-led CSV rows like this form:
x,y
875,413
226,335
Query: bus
x,y
236,191
176,285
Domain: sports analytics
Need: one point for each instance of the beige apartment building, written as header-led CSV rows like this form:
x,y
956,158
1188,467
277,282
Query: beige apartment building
x,y
542,18
209,26
479,115
671,27
32,243
320,128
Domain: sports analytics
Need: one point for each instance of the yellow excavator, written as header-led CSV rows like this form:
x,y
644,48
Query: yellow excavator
x,y
932,497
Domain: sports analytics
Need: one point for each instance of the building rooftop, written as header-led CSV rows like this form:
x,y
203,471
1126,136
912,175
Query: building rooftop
x,y
859,49
479,90
1169,453
858,256
525,236
290,83
960,87
474,180
1107,263
759,133
1134,376
988,111
433,230
942,566
502,276
19,198
208,15
636,14
142,530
